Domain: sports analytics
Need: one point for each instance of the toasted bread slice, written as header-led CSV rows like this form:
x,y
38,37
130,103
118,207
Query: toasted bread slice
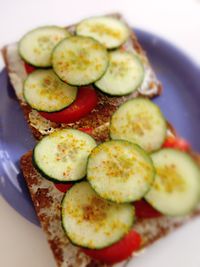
x,y
100,116
47,201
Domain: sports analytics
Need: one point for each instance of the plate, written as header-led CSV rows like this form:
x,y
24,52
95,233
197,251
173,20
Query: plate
x,y
179,102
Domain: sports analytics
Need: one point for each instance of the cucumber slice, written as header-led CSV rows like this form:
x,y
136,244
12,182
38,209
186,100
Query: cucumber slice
x,y
79,60
63,155
92,222
124,74
120,171
176,189
44,91
36,46
139,121
109,31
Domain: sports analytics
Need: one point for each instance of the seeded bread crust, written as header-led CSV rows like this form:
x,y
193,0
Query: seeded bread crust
x,y
151,87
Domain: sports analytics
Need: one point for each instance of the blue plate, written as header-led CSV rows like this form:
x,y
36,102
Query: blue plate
x,y
179,102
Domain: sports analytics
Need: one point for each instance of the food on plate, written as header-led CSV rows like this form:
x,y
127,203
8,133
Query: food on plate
x,y
177,181
127,246
124,74
144,210
102,53
178,143
36,46
127,196
126,172
85,101
139,121
44,91
92,222
79,60
63,155
109,31
109,176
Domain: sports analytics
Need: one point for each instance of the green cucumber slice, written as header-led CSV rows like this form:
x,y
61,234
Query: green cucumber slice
x,y
63,155
176,189
120,171
44,91
124,74
139,121
36,46
79,60
92,222
109,31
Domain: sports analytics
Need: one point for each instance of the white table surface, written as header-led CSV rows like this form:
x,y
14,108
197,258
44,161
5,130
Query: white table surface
x,y
23,244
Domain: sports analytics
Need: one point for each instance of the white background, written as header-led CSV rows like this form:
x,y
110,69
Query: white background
x,y
22,244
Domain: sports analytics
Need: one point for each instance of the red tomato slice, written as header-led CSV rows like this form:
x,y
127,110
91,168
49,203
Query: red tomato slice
x,y
144,210
28,68
87,130
63,187
118,251
177,142
85,102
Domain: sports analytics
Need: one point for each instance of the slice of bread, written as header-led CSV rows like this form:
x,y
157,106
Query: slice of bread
x,y
100,116
47,201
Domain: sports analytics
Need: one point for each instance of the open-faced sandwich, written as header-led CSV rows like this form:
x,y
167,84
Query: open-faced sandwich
x,y
99,58
100,202
109,175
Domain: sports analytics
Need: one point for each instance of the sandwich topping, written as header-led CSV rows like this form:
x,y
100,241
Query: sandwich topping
x,y
126,171
36,46
39,45
111,32
44,91
62,155
176,188
122,181
133,166
79,60
92,222
139,121
123,75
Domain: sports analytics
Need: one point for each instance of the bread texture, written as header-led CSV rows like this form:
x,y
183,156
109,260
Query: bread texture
x,y
99,118
47,201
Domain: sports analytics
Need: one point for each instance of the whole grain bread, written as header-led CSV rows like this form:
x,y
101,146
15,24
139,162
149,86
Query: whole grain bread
x,y
99,118
47,201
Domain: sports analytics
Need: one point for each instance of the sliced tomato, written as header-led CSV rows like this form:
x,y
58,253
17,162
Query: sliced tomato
x,y
29,68
87,130
63,187
177,142
144,210
85,102
117,252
